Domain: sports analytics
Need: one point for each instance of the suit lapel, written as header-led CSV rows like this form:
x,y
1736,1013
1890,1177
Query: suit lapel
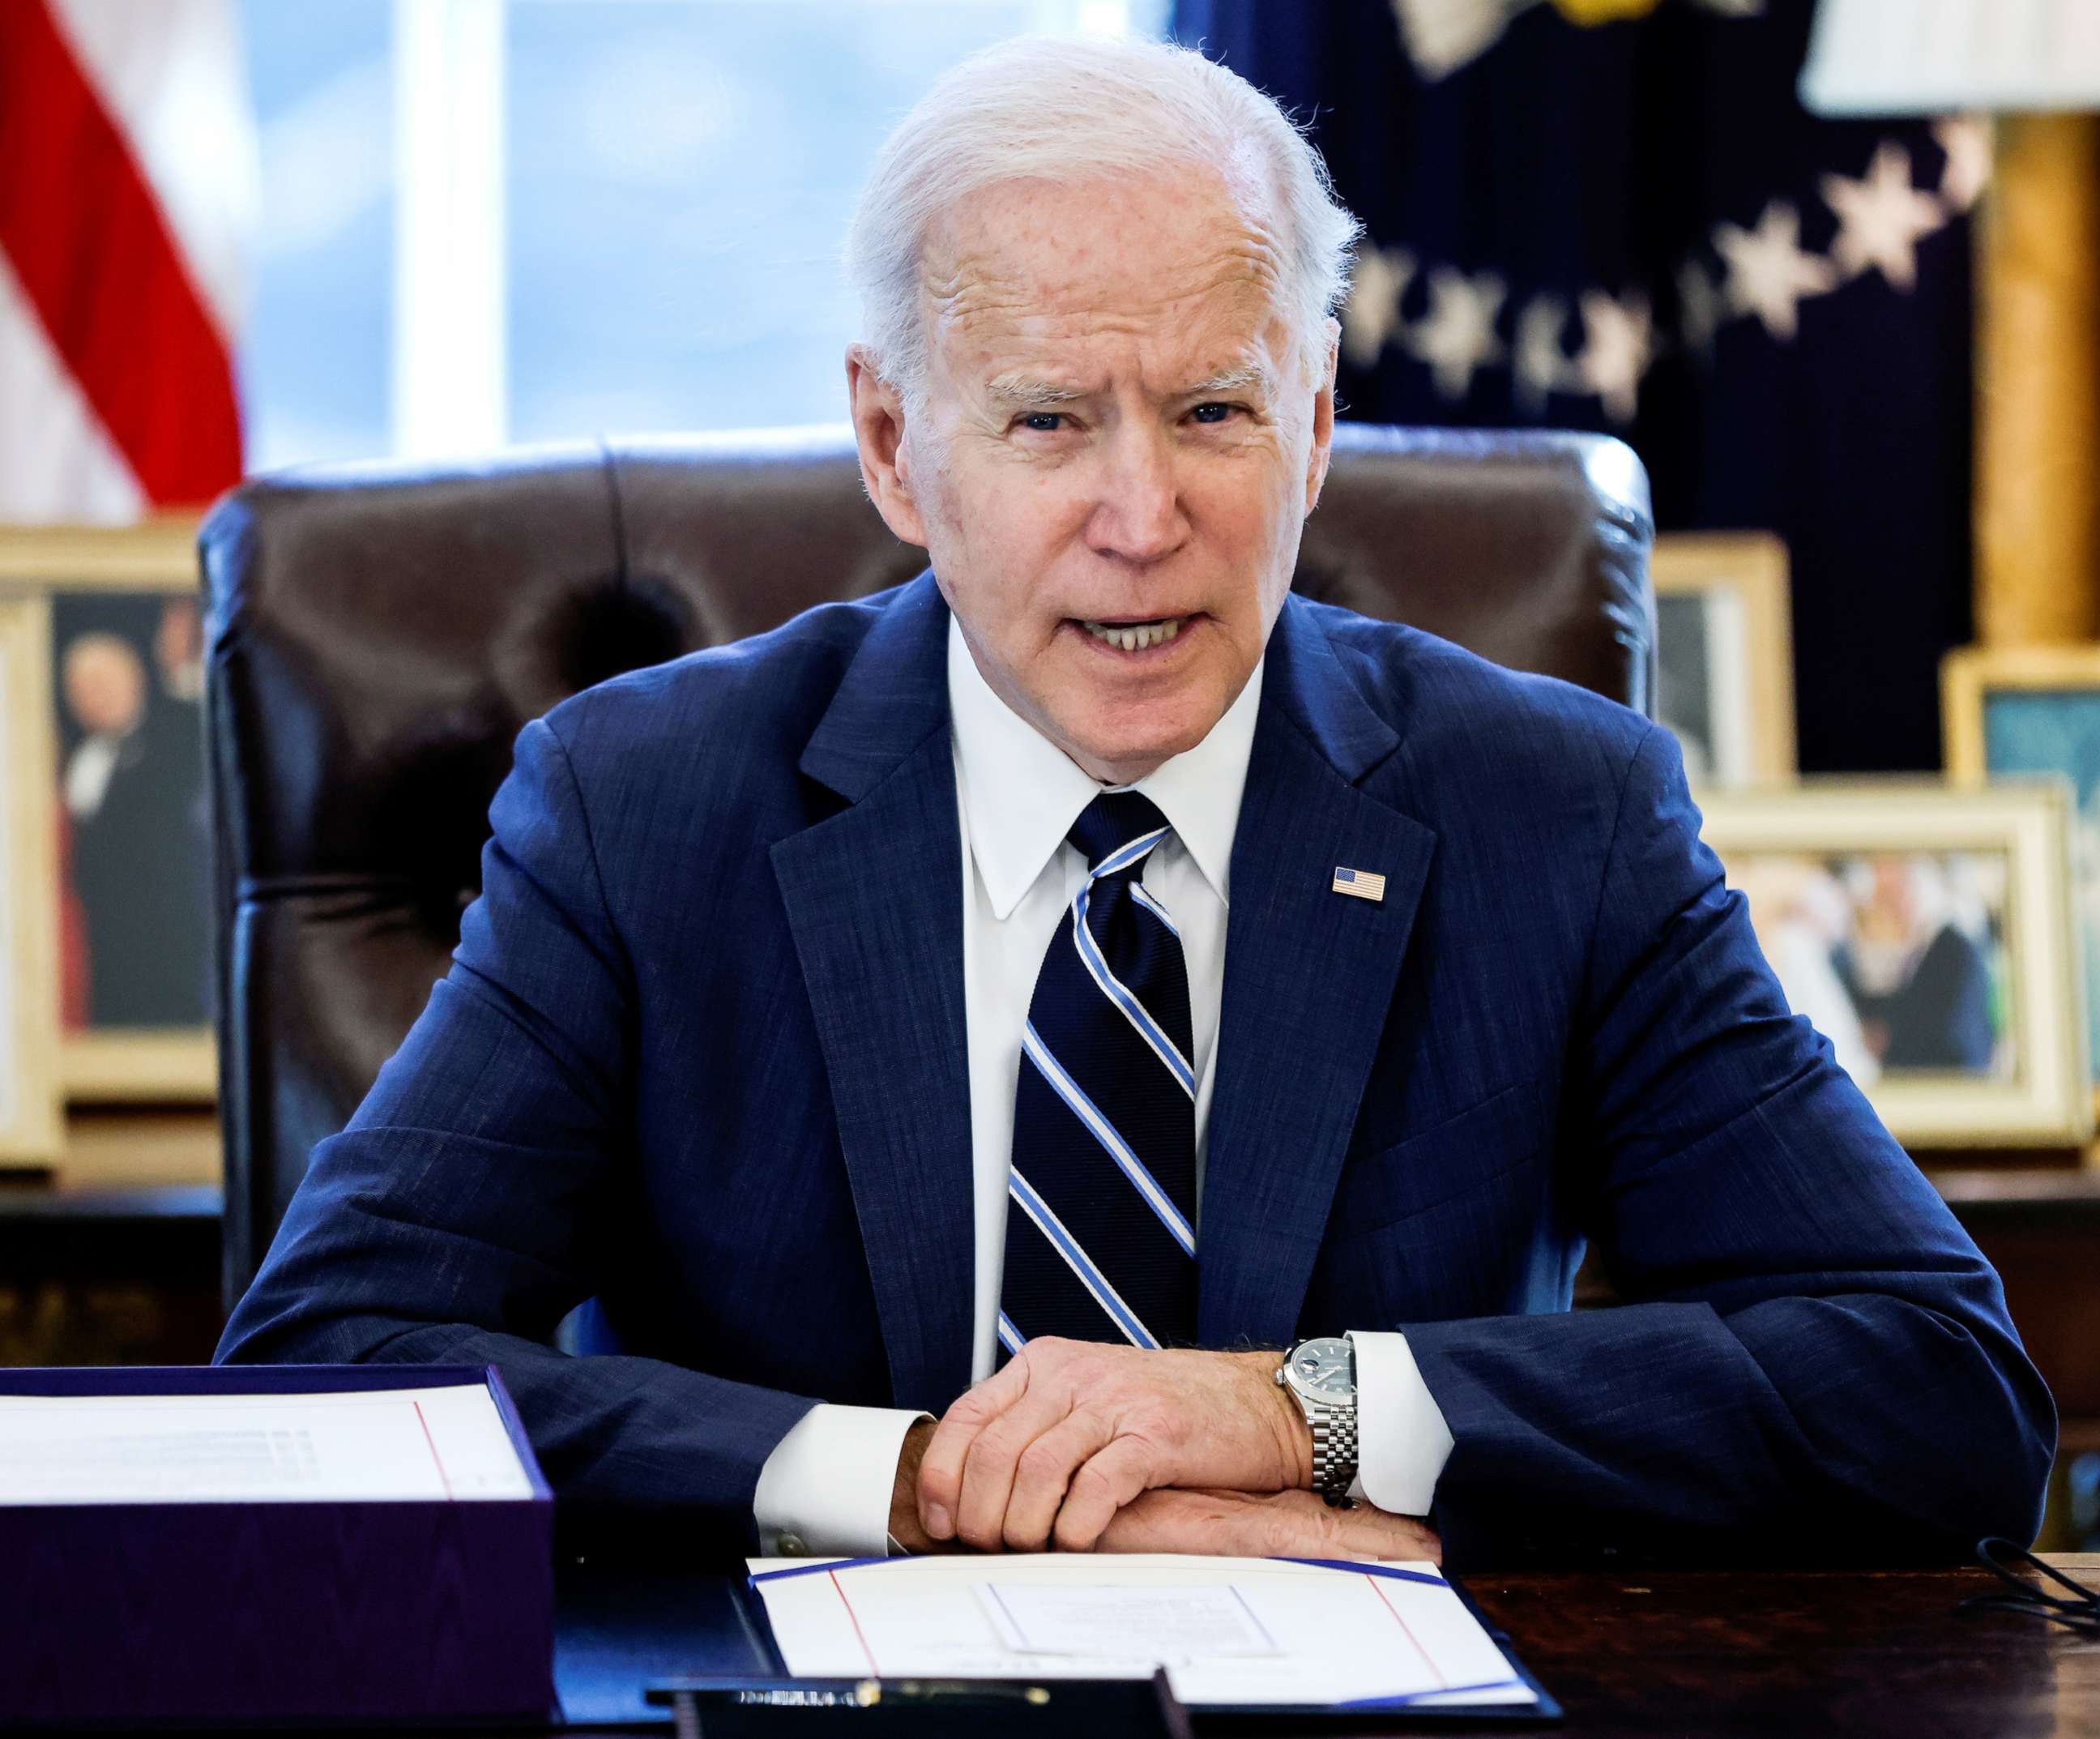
x,y
873,899
1309,977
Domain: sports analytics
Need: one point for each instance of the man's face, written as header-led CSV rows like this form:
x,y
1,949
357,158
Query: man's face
x,y
1119,443
104,684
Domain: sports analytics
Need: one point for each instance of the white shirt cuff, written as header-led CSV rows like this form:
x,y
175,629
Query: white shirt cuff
x,y
1402,1441
825,1490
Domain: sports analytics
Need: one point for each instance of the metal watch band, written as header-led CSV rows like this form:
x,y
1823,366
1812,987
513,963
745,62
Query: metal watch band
x,y
1334,1451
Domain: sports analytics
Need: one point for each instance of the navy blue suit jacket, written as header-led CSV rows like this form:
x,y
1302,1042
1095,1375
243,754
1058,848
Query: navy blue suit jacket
x,y
701,1055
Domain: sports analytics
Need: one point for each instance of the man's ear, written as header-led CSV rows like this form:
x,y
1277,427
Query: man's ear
x,y
1323,413
878,420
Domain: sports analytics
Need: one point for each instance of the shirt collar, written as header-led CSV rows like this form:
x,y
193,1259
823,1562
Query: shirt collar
x,y
1021,793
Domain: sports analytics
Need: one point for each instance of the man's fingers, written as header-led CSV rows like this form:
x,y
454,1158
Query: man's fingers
x,y
1108,1481
941,1473
1043,1473
1290,1524
1004,1470
994,1457
1367,1532
1167,1520
1219,1524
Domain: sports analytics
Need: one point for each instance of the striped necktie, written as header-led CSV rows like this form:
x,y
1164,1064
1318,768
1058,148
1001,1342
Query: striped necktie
x,y
1101,1240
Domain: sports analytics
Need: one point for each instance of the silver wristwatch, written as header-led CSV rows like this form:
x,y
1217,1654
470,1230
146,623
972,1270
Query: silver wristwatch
x,y
1321,1376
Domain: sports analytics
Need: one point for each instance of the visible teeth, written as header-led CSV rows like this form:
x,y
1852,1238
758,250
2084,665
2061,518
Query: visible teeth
x,y
1136,637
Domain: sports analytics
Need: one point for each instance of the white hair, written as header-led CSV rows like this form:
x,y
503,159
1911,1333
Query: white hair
x,y
1068,108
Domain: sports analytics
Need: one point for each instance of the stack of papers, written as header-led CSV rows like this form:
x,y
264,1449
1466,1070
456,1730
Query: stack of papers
x,y
1243,1633
378,1446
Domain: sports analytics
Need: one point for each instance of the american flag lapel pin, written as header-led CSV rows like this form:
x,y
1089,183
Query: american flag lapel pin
x,y
1359,885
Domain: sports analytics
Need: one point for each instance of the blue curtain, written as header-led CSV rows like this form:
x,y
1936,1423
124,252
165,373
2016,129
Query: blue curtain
x,y
1635,227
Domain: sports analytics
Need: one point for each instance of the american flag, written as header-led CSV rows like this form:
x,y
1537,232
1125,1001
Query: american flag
x,y
1361,883
127,189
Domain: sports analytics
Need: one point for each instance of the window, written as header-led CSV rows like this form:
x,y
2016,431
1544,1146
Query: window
x,y
488,221
312,357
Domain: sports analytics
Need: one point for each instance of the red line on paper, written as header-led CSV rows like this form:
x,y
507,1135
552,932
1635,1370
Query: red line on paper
x,y
433,1443
853,1619
1443,1684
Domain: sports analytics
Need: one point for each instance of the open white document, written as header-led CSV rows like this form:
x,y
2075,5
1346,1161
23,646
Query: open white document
x,y
376,1445
1231,1632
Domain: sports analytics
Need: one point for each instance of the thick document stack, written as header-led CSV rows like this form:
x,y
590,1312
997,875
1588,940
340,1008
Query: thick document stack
x,y
270,1544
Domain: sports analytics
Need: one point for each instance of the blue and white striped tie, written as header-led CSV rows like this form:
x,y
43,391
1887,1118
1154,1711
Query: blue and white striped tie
x,y
1101,1240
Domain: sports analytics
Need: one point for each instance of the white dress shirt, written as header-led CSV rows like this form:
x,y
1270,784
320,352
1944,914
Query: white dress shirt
x,y
88,773
826,1486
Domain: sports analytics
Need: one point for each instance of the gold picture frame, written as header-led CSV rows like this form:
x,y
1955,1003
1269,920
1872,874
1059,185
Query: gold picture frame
x,y
1735,588
1827,863
31,1125
117,1064
1969,677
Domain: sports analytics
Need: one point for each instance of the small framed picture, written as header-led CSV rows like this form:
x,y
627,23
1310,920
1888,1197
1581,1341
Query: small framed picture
x,y
2021,710
1926,930
30,1122
131,907
1724,655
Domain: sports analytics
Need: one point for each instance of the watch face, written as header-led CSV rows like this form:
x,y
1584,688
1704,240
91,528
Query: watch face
x,y
1324,1369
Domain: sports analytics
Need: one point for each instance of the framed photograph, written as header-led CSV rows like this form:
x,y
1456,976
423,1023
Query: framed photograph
x,y
30,1123
2029,710
131,907
1724,655
1926,930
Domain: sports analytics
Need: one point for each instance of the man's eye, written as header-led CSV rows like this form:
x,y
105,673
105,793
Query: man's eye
x,y
1213,412
1043,423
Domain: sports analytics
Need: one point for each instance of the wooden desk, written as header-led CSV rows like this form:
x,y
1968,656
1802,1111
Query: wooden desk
x,y
1819,1652
1786,1655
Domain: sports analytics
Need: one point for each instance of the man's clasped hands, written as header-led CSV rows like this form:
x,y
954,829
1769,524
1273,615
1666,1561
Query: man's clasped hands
x,y
1079,1446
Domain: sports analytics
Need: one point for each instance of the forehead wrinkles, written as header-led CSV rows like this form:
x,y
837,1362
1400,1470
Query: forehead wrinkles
x,y
1218,297
990,280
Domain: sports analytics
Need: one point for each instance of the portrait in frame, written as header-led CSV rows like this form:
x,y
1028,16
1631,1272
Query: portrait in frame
x,y
31,1128
130,905
2022,711
1925,930
1724,655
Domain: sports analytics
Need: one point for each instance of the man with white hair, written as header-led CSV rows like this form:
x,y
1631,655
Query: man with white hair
x,y
1089,1051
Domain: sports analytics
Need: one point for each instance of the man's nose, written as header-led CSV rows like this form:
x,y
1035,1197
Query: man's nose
x,y
1138,515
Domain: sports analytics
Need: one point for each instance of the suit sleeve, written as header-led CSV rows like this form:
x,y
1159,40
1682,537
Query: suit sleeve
x,y
464,1211
1813,1356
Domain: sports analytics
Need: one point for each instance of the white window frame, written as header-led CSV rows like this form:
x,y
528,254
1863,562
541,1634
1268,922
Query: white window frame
x,y
449,350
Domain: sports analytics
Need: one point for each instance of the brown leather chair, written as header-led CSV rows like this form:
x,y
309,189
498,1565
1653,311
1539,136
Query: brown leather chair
x,y
378,635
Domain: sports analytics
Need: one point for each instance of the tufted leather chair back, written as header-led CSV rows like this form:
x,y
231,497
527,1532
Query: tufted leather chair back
x,y
378,635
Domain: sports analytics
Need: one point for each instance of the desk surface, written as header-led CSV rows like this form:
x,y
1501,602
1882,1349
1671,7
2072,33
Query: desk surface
x,y
1678,1654
1724,1653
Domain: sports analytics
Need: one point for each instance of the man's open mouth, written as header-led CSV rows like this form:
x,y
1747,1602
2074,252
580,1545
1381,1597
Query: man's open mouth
x,y
1134,637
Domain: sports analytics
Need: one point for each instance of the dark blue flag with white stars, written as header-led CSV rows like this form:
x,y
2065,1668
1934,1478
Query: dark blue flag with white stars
x,y
1616,214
